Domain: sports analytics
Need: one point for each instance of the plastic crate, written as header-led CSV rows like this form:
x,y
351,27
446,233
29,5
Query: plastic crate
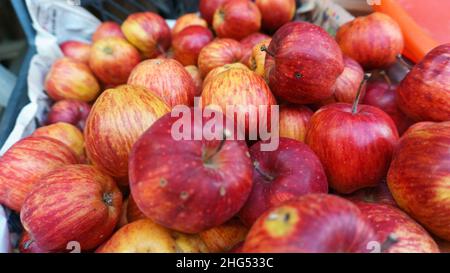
x,y
105,10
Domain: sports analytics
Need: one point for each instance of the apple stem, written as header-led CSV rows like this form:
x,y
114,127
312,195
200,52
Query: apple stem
x,y
265,49
263,174
358,94
391,240
28,243
208,156
386,78
403,62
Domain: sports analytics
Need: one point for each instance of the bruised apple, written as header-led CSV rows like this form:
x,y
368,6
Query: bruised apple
x,y
314,223
166,78
70,79
145,236
117,120
189,193
72,203
25,163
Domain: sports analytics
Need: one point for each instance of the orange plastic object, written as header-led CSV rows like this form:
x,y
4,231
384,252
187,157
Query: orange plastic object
x,y
425,23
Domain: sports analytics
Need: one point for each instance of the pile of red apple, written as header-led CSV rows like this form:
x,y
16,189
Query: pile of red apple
x,y
363,164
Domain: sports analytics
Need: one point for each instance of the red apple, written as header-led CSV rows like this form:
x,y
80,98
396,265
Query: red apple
x,y
424,95
72,203
166,78
196,77
69,79
314,223
294,121
276,13
224,237
419,176
208,8
107,30
347,84
303,63
70,111
383,95
67,134
189,193
257,60
355,144
113,59
218,53
245,90
379,195
145,236
148,32
133,211
236,19
27,161
374,41
187,20
290,171
396,231
76,50
188,43
248,43
117,120
218,70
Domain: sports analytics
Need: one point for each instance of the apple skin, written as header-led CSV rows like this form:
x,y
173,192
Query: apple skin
x,y
419,176
379,195
167,78
276,13
27,161
187,20
374,41
239,87
209,7
189,194
347,84
27,245
145,236
72,203
387,221
69,79
236,19
133,211
424,95
70,111
303,64
225,237
218,53
76,50
218,70
248,43
67,134
196,77
257,60
314,223
148,32
355,149
117,120
294,121
106,30
113,59
382,95
291,171
188,43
